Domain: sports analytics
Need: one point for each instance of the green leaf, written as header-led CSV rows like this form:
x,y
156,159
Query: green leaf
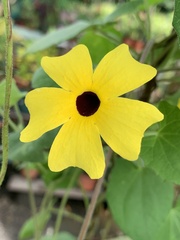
x,y
122,9
58,36
161,152
153,2
62,235
16,94
32,151
24,152
176,18
98,47
59,179
41,79
129,7
174,98
121,238
39,221
139,200
26,33
170,229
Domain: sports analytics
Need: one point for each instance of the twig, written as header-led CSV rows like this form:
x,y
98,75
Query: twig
x,y
92,204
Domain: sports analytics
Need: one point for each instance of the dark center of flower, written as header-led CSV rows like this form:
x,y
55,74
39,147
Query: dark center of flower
x,y
87,103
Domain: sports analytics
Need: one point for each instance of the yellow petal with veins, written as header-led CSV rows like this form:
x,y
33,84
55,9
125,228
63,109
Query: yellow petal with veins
x,y
78,144
48,108
122,123
72,71
118,73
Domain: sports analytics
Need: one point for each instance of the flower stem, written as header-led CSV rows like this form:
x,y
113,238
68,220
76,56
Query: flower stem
x,y
148,21
90,211
19,116
10,122
33,206
64,201
9,70
146,50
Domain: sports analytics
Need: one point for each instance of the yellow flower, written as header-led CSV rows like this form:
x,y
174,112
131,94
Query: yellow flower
x,y
88,106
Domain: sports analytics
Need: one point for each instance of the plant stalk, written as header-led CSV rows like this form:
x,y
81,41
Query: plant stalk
x,y
64,201
92,205
33,206
8,70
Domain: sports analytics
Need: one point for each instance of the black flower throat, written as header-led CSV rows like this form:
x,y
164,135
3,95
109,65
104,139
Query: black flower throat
x,y
87,103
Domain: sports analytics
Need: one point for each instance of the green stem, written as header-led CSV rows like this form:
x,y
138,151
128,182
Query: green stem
x,y
68,214
146,50
9,70
19,115
73,216
107,228
148,22
64,201
107,36
85,198
46,199
33,206
10,122
92,205
168,70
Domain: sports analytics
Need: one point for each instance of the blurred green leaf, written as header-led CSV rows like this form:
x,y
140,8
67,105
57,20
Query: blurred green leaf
x,y
98,47
39,221
32,151
170,229
16,94
58,36
130,7
41,79
122,9
62,235
59,179
26,33
139,200
24,152
174,98
161,152
176,18
121,238
153,2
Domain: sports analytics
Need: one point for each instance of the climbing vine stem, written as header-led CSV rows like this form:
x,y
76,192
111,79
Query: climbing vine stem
x,y
8,78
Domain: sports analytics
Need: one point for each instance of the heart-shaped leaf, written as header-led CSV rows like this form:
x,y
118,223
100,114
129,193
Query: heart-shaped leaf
x,y
139,200
161,152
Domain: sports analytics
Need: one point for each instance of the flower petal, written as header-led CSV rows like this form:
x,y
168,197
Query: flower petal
x,y
72,71
118,73
78,144
49,108
122,123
